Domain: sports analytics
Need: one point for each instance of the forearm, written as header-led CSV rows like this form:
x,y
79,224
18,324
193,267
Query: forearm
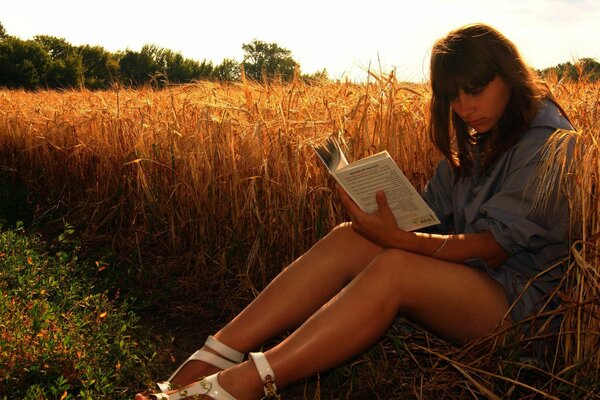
x,y
381,228
456,248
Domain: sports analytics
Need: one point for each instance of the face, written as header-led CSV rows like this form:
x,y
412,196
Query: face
x,y
483,107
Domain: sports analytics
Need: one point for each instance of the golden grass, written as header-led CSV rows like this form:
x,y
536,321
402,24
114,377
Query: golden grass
x,y
215,172
219,181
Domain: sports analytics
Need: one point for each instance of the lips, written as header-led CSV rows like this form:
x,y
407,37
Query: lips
x,y
475,122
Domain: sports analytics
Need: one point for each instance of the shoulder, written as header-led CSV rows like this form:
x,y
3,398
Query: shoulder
x,y
549,116
531,144
547,121
442,181
444,173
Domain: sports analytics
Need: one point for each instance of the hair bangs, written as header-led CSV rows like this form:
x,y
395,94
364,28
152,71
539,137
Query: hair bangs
x,y
457,69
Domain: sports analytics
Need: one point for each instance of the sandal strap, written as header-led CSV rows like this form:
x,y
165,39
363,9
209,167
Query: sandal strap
x,y
199,355
208,386
224,350
226,358
266,374
212,359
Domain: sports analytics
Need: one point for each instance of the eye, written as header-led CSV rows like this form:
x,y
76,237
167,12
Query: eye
x,y
477,91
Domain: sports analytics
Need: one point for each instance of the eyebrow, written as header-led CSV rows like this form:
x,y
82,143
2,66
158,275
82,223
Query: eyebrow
x,y
476,89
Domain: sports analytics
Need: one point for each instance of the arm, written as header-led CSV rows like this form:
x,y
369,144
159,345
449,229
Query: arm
x,y
380,227
456,248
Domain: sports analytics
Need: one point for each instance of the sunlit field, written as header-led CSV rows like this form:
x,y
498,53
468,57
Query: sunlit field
x,y
222,175
210,189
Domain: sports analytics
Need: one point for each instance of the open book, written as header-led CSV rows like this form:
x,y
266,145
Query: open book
x,y
363,178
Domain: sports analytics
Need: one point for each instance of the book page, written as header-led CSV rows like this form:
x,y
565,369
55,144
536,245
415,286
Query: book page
x,y
362,181
331,154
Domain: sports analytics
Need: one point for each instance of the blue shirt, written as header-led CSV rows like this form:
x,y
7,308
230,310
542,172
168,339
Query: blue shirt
x,y
501,202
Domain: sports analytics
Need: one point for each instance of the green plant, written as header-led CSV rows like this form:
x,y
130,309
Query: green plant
x,y
61,337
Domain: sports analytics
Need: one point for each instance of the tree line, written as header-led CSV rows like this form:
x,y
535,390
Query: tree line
x,y
587,69
48,62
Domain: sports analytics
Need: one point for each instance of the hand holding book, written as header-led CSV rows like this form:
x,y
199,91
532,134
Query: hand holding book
x,y
379,227
362,179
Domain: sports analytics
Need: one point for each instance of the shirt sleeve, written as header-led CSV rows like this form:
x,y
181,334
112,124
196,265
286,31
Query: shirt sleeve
x,y
438,195
513,215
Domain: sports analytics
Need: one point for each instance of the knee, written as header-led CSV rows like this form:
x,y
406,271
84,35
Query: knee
x,y
344,233
351,242
343,228
396,260
391,262
395,270
344,249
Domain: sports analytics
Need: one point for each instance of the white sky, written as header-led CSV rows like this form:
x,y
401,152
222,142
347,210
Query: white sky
x,y
342,36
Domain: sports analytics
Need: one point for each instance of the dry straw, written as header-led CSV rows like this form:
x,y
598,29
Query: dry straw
x,y
216,186
207,172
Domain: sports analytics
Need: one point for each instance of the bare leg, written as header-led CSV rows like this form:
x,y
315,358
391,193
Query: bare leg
x,y
455,301
295,294
301,289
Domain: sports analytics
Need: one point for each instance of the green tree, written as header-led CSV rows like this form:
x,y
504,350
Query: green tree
x,y
178,69
587,68
316,76
100,67
205,70
584,68
137,68
228,71
160,66
66,72
23,63
66,67
267,60
3,34
58,48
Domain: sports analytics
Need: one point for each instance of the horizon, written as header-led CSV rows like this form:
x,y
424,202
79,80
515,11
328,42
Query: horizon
x,y
376,37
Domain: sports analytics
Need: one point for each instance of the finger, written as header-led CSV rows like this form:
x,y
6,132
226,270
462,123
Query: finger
x,y
381,199
382,204
355,213
348,203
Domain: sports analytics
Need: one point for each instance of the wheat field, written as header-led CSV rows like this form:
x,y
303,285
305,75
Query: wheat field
x,y
221,173
220,181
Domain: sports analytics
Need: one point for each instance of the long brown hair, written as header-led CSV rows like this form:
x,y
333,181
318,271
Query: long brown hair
x,y
468,59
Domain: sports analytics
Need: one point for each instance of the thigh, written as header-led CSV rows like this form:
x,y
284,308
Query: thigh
x,y
456,301
342,253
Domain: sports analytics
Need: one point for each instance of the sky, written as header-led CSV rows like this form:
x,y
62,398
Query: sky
x,y
345,37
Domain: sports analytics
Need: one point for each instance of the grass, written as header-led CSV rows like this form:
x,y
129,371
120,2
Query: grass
x,y
61,335
207,173
219,181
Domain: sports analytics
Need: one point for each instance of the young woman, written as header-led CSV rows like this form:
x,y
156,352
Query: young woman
x,y
490,118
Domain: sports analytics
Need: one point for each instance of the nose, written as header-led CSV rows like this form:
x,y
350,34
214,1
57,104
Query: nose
x,y
463,105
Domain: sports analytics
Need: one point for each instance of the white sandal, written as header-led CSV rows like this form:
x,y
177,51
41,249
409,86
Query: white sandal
x,y
228,358
210,387
267,376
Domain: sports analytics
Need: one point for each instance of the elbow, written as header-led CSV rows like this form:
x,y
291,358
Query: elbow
x,y
495,254
493,263
497,259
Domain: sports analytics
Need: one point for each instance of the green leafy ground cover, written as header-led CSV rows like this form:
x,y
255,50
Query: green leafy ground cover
x,y
63,333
